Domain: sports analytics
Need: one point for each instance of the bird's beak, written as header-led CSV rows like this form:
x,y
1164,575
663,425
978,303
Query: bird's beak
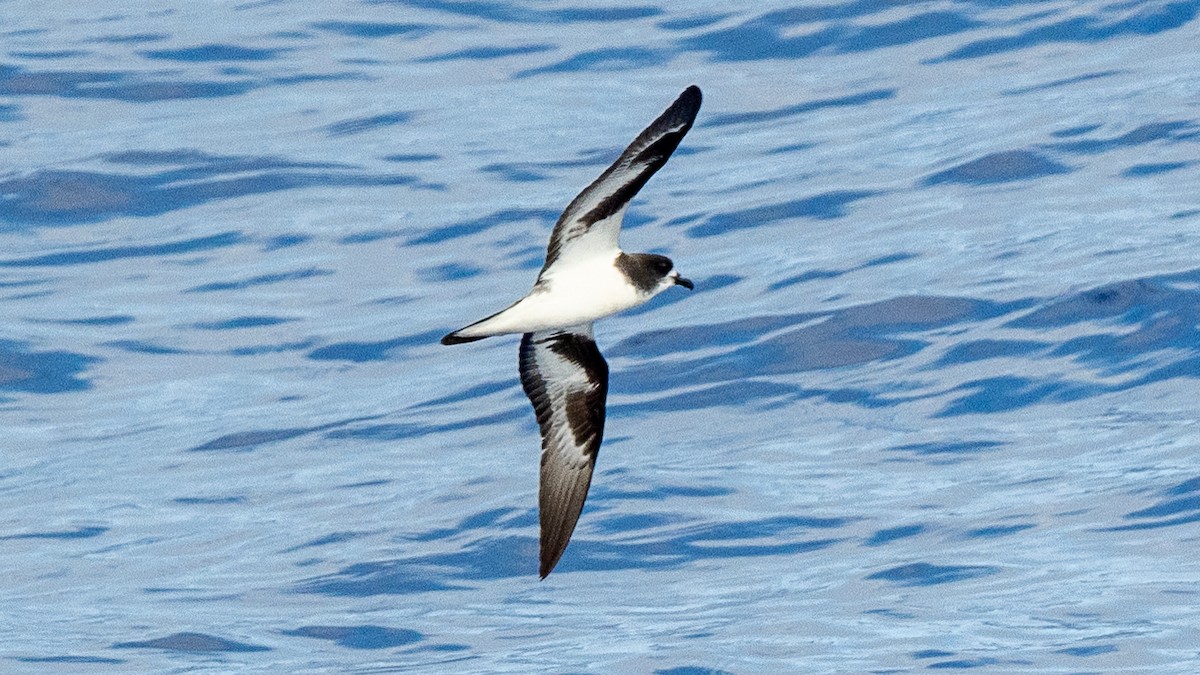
x,y
686,283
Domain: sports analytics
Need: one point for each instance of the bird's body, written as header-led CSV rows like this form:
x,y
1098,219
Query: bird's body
x,y
592,288
586,277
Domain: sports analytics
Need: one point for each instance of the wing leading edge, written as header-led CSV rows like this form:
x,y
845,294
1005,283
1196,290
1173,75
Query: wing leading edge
x,y
593,218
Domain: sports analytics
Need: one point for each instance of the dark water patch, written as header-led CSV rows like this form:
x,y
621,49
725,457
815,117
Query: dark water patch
x,y
327,540
208,501
192,643
142,347
99,255
514,13
1087,77
1090,650
634,523
963,664
1008,392
926,574
1099,27
815,275
899,256
1142,170
851,336
400,431
215,52
1186,487
114,320
1131,301
77,533
999,167
545,218
473,392
360,352
52,55
1171,131
717,281
729,395
492,519
79,660
602,60
695,21
606,489
800,32
35,372
995,531
150,92
247,440
359,637
931,654
791,147
370,236
365,124
283,241
692,670
655,343
503,518
824,206
487,53
909,30
448,272
887,536
801,108
261,280
257,349
1182,506
1070,132
412,157
242,441
949,448
538,170
130,38
502,557
58,197
376,29
242,322
761,38
121,86
972,351
10,113
766,528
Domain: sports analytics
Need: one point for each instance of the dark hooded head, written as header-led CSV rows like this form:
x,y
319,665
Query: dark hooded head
x,y
651,273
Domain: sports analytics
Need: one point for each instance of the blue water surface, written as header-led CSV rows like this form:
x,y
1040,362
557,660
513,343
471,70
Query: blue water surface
x,y
933,405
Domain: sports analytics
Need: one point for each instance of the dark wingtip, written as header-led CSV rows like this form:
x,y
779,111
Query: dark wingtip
x,y
548,561
456,339
690,99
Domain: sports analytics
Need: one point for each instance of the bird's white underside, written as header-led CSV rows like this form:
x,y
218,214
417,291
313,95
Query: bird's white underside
x,y
582,285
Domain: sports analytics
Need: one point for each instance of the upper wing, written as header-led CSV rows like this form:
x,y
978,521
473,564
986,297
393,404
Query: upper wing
x,y
566,380
592,221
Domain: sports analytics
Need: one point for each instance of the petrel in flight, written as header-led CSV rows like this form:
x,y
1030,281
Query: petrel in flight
x,y
586,277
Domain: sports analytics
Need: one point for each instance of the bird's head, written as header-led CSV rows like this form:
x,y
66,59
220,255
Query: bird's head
x,y
653,273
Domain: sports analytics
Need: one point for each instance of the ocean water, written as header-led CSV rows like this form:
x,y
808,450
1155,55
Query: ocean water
x,y
933,405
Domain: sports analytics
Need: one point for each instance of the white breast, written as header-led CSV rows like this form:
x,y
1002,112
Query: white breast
x,y
566,295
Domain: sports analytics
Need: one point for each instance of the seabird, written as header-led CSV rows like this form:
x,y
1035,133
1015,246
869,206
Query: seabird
x,y
586,277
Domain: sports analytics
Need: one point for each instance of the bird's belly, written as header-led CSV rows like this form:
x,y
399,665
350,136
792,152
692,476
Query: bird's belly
x,y
564,307
578,299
